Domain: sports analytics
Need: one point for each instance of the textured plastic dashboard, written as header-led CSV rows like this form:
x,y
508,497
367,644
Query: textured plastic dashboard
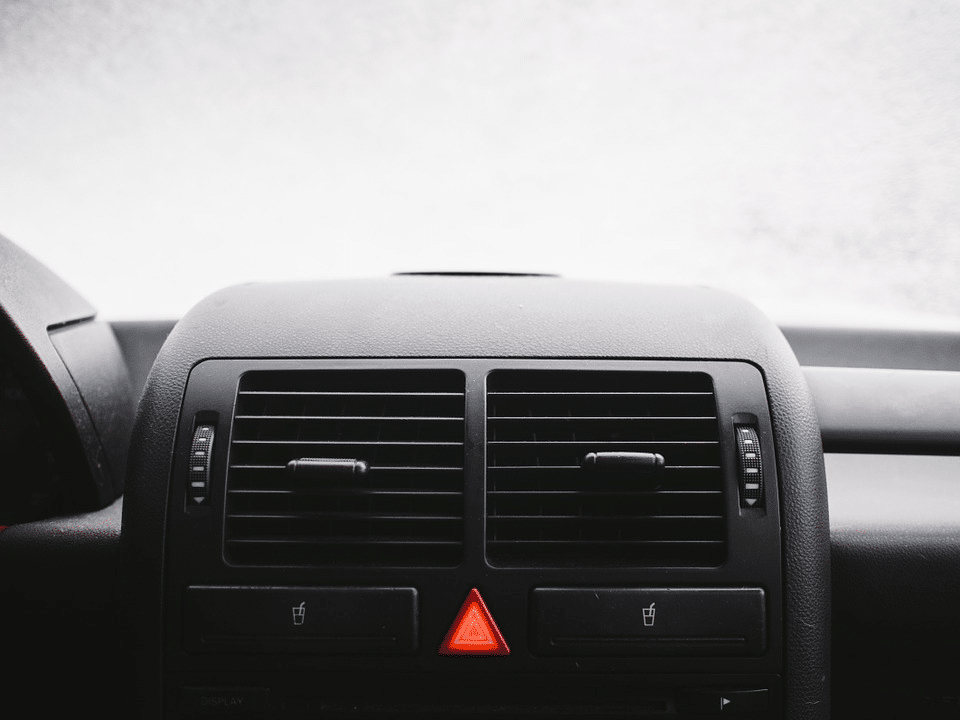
x,y
533,318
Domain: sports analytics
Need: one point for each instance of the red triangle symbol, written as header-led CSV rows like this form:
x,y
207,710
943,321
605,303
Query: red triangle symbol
x,y
474,632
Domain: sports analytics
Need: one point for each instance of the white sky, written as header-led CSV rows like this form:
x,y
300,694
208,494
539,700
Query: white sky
x,y
804,153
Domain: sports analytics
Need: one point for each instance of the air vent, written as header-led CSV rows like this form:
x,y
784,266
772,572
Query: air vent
x,y
545,505
404,505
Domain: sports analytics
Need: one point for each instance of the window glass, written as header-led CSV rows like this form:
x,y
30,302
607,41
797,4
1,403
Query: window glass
x,y
806,154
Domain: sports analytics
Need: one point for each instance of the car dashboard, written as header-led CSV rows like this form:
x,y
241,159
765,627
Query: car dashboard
x,y
506,496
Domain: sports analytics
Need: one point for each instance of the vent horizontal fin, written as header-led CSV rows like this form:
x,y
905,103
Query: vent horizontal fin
x,y
406,509
544,509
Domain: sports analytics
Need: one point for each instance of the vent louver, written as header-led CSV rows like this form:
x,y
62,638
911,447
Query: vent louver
x,y
404,509
544,508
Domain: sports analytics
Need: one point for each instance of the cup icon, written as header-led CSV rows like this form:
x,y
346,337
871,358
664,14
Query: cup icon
x,y
649,615
299,611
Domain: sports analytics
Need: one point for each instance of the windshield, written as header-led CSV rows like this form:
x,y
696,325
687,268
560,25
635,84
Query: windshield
x,y
805,154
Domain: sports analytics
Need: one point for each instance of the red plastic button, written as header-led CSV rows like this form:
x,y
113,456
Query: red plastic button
x,y
474,632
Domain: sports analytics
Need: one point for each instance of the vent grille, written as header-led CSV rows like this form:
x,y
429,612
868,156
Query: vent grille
x,y
542,507
405,510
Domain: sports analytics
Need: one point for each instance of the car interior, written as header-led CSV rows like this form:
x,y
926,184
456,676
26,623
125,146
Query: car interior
x,y
480,359
456,495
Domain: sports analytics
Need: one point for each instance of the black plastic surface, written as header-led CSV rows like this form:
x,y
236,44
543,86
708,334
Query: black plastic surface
x,y
77,380
223,701
896,599
40,453
60,604
195,541
896,551
891,584
648,621
895,526
887,411
79,556
323,620
896,542
725,702
92,357
493,317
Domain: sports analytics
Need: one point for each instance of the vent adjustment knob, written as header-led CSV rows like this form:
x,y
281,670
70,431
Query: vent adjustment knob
x,y
201,452
751,467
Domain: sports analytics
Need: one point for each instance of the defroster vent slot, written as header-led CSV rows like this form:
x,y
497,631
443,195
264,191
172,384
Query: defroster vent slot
x,y
405,509
546,506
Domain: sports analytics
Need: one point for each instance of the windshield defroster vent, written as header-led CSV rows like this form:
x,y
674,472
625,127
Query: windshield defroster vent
x,y
346,468
603,468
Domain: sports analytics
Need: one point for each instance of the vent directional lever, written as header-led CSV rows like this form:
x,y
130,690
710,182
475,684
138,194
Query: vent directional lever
x,y
643,462
326,468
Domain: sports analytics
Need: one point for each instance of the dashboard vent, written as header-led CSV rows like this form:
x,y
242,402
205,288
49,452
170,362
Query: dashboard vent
x,y
543,507
405,429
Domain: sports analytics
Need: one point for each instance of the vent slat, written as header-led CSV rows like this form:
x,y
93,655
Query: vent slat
x,y
342,418
604,443
338,393
350,492
672,468
605,493
526,518
543,509
601,418
406,510
381,468
288,540
366,443
608,542
581,393
340,516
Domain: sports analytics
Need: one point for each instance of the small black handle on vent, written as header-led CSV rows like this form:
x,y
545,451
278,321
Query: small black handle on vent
x,y
326,468
642,462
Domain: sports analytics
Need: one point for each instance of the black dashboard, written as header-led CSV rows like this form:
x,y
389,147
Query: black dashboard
x,y
472,496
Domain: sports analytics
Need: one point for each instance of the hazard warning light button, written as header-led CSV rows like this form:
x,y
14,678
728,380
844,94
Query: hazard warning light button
x,y
474,631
